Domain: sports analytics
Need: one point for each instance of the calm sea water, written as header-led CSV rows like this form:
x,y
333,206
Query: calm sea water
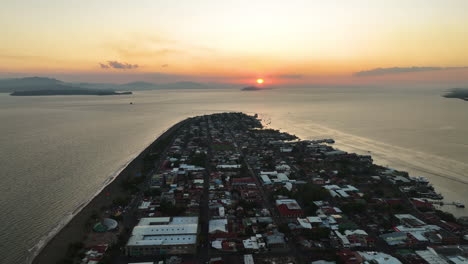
x,y
57,152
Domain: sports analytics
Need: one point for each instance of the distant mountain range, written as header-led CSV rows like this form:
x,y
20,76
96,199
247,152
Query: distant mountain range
x,y
31,84
152,86
49,84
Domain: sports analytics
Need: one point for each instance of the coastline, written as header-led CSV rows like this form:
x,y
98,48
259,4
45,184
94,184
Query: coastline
x,y
442,180
75,230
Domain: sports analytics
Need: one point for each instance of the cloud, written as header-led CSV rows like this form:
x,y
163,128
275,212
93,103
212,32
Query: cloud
x,y
165,65
396,70
104,66
118,65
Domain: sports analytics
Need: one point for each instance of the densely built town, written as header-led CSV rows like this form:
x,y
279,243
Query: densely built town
x,y
225,190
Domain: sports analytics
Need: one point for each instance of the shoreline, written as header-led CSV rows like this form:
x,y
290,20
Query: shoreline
x,y
55,248
436,177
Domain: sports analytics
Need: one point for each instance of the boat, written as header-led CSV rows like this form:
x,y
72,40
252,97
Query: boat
x,y
458,205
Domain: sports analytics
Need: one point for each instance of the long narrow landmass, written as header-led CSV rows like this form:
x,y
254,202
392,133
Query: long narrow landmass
x,y
67,92
221,188
460,93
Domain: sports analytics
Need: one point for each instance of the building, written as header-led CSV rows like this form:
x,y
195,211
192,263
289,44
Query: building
x,y
275,240
254,243
378,257
289,208
248,259
157,180
395,238
218,226
163,235
343,192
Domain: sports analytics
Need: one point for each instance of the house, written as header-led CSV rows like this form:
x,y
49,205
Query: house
x,y
395,238
343,192
289,208
275,240
378,257
349,257
218,226
248,259
420,203
254,243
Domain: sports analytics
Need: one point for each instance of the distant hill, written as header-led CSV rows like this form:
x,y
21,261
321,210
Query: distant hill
x,y
184,85
31,83
139,86
49,84
460,93
144,86
67,92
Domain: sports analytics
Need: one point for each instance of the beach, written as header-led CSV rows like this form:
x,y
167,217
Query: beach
x,y
75,231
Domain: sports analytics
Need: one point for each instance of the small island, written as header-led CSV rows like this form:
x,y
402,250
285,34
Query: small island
x,y
253,88
460,93
67,92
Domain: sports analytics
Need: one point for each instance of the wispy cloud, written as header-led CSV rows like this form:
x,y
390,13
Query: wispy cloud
x,y
396,70
144,52
118,65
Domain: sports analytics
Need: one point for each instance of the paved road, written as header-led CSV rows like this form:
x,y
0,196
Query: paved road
x,y
293,250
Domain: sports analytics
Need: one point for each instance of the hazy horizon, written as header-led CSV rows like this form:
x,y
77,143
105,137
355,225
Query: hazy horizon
x,y
295,43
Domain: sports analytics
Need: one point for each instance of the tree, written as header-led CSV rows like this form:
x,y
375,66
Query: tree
x,y
168,208
446,216
199,159
353,207
284,228
310,192
316,233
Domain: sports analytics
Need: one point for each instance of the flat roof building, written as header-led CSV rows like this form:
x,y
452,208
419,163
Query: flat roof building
x,y
163,235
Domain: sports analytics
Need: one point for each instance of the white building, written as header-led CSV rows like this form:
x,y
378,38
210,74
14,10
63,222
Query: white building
x,y
218,226
163,235
378,257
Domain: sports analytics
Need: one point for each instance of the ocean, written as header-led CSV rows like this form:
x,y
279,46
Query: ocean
x,y
58,151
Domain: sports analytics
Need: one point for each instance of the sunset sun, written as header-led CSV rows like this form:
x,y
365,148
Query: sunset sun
x,y
260,81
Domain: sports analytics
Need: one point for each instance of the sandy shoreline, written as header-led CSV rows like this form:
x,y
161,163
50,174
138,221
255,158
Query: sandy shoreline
x,y
75,230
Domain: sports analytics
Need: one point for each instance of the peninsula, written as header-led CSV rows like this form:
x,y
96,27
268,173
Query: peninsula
x,y
221,188
460,93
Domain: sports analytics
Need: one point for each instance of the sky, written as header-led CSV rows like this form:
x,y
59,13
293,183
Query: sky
x,y
284,42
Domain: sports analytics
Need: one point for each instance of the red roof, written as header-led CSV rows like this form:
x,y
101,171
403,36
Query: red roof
x,y
349,257
285,211
243,180
419,203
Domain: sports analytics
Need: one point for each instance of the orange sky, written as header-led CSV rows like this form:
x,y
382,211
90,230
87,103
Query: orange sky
x,y
296,41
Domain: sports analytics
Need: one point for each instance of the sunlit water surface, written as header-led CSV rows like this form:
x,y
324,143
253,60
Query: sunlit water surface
x,y
57,152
